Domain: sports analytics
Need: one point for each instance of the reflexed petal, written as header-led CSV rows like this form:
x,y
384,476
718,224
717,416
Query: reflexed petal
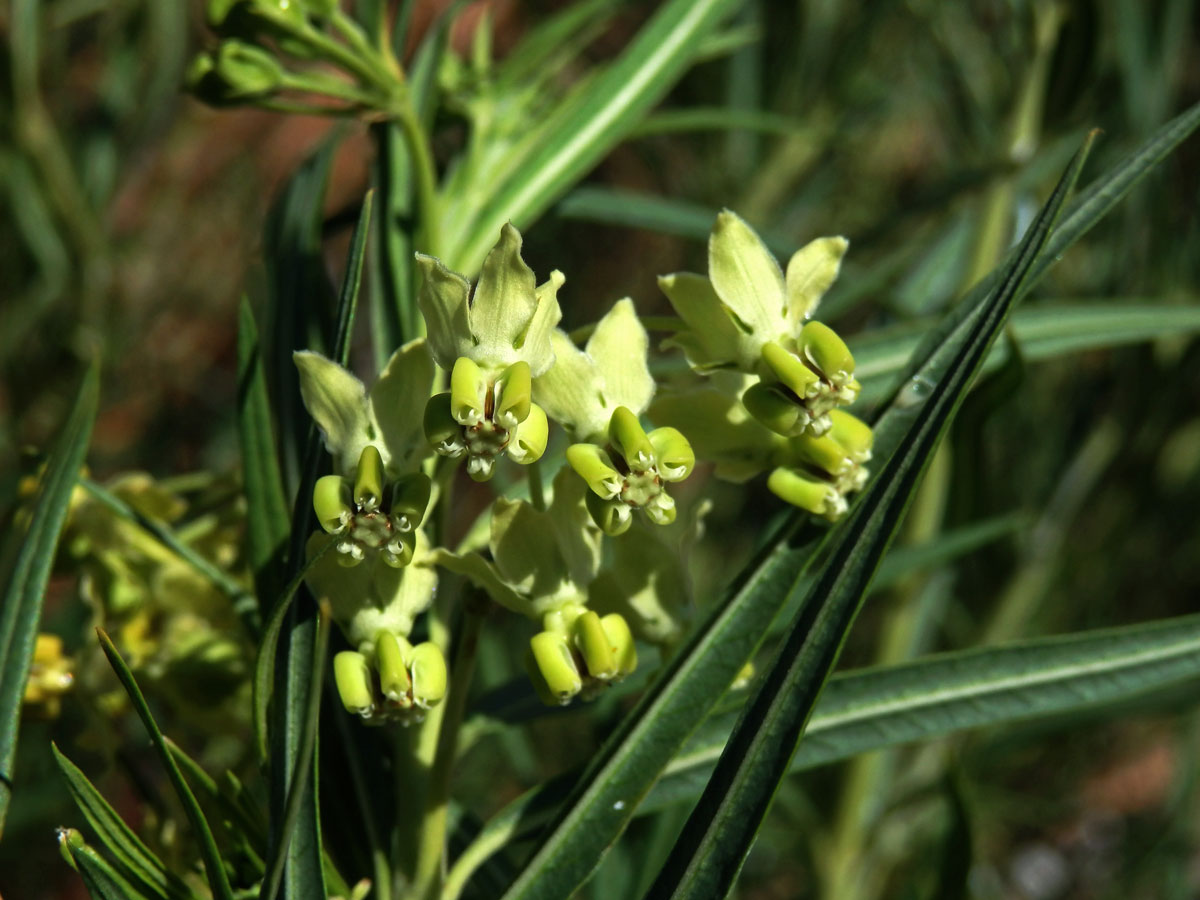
x,y
504,302
337,401
810,272
618,348
443,298
712,338
746,276
397,402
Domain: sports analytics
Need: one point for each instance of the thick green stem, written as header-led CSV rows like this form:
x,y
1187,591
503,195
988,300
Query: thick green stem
x,y
431,851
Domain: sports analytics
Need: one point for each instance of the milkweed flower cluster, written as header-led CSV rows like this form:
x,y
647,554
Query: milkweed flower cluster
x,y
599,562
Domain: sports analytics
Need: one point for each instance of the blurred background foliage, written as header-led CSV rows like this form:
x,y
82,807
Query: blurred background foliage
x,y
925,132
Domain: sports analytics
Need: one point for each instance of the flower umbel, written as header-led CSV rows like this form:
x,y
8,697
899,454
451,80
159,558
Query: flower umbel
x,y
370,514
631,472
818,472
390,680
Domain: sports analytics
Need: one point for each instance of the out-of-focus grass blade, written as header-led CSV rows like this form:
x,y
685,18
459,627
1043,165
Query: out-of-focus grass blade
x,y
21,606
593,122
138,863
712,846
267,522
102,881
927,698
717,118
1044,332
666,215
544,43
946,547
214,869
1088,208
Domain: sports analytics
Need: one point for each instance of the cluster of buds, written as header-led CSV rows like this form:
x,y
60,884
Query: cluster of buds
x,y
800,387
481,418
579,654
632,472
247,67
370,515
50,677
390,680
820,471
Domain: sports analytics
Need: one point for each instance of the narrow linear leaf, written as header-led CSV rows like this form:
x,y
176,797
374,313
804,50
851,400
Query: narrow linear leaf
x,y
218,881
101,880
289,661
717,118
595,121
267,523
296,790
706,860
871,709
21,606
138,863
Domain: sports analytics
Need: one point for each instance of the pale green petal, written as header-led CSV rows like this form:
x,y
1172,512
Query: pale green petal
x,y
398,401
525,549
535,345
712,338
810,272
578,538
618,348
504,302
571,391
746,277
337,402
443,298
484,576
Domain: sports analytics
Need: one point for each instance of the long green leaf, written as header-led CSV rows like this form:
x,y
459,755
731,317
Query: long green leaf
x,y
218,881
137,862
289,664
593,123
267,522
21,606
1045,332
875,708
103,882
722,827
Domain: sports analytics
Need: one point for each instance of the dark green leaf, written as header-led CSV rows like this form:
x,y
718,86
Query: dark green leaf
x,y
709,854
214,868
138,863
21,607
